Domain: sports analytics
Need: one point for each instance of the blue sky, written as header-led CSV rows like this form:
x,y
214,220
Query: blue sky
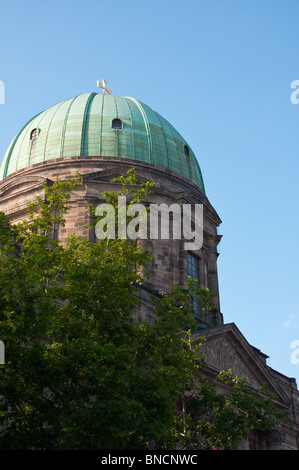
x,y
220,71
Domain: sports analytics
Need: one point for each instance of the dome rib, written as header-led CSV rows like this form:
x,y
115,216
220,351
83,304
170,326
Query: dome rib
x,y
147,126
164,136
49,127
171,129
64,126
101,122
116,134
132,132
85,124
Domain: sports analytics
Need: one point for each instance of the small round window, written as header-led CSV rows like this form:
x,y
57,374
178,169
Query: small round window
x,y
186,151
34,134
116,124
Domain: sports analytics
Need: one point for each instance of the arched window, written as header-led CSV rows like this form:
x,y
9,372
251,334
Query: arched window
x,y
116,124
186,151
34,134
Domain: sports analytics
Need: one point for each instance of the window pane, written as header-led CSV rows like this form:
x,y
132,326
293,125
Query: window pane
x,y
193,272
34,134
116,124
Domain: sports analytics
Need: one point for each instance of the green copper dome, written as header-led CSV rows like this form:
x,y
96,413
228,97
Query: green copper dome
x,y
93,124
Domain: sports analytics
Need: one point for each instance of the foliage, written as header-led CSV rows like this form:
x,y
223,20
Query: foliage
x,y
222,420
82,371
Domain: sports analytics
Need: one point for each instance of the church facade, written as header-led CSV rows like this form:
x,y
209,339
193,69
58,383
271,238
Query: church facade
x,y
102,136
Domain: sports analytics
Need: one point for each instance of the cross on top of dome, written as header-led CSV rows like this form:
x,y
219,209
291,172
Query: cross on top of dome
x,y
104,87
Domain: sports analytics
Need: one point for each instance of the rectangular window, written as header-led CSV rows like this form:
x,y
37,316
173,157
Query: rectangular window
x,y
193,272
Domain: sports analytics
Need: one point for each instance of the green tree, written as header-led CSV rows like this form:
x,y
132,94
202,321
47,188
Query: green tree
x,y
82,371
222,420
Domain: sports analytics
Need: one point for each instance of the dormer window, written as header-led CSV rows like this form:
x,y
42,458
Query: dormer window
x,y
34,134
116,124
186,151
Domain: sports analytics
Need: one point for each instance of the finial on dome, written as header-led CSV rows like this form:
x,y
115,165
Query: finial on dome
x,y
104,87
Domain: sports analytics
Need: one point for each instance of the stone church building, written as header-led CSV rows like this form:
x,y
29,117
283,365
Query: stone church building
x,y
102,136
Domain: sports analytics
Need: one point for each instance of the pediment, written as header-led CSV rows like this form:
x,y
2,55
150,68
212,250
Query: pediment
x,y
20,185
103,177
226,348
